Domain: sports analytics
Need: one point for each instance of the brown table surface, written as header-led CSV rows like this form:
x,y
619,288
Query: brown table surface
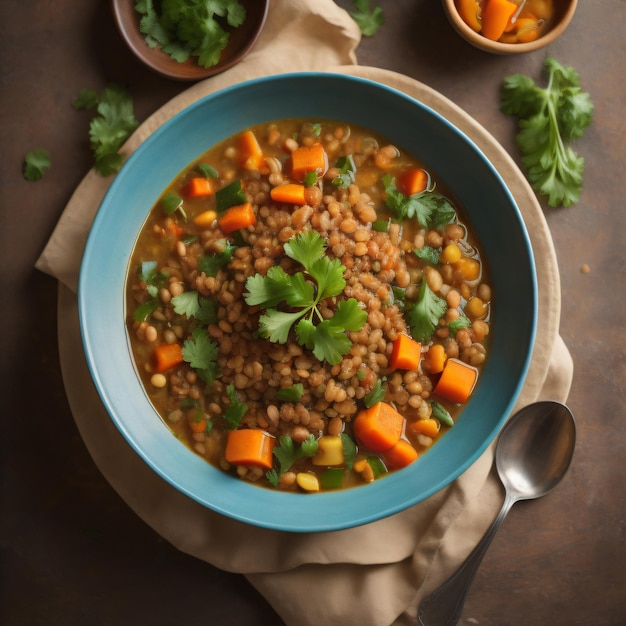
x,y
73,553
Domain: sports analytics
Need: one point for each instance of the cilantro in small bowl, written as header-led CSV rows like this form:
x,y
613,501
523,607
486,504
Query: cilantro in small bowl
x,y
190,39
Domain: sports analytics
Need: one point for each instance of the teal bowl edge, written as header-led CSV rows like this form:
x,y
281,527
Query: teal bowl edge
x,y
488,203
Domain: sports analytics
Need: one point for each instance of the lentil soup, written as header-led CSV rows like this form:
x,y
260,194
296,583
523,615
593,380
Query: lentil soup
x,y
308,309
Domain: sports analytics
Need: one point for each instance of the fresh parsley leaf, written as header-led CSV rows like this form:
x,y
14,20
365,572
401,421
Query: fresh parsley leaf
x,y
287,453
424,315
291,394
36,164
427,254
327,339
207,311
368,20
153,278
549,118
456,325
236,409
190,27
201,354
186,303
430,209
111,126
377,394
212,263
145,310
347,169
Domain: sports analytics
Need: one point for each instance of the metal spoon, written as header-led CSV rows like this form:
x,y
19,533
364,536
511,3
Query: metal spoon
x,y
533,454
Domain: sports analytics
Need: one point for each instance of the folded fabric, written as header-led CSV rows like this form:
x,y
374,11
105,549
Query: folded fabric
x,y
373,574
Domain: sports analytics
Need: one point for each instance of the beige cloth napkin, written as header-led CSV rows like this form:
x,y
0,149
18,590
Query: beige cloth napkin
x,y
373,575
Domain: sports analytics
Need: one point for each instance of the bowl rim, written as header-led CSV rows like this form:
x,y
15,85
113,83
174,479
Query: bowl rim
x,y
240,42
498,47
266,518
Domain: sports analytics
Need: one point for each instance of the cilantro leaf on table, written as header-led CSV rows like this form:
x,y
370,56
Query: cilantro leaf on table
x,y
190,28
549,118
110,127
430,209
423,316
36,163
368,20
303,291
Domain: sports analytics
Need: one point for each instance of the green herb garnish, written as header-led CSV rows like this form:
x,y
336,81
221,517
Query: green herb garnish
x,y
430,209
349,449
172,202
189,28
201,354
347,168
423,316
110,127
287,453
548,120
208,171
36,164
456,325
212,263
303,291
368,20
427,254
192,304
236,410
291,394
375,395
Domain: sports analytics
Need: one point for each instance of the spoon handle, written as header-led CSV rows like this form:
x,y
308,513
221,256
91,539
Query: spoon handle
x,y
443,606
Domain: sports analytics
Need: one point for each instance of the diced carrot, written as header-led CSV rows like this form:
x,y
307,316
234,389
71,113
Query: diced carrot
x,y
174,229
290,193
306,159
237,217
405,353
400,455
250,447
435,358
457,381
429,427
379,427
197,426
199,187
250,153
412,181
495,16
468,10
205,219
166,356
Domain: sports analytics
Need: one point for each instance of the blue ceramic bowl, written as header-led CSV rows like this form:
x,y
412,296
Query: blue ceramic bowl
x,y
460,165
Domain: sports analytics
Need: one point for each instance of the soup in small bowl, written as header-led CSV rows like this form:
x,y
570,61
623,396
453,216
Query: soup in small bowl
x,y
308,296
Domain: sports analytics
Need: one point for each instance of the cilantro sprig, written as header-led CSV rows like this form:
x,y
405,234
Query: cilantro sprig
x,y
368,20
424,315
112,124
190,28
301,294
36,163
287,453
549,118
430,209
201,353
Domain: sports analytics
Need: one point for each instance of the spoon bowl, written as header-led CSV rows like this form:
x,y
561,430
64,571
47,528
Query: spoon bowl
x,y
533,454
